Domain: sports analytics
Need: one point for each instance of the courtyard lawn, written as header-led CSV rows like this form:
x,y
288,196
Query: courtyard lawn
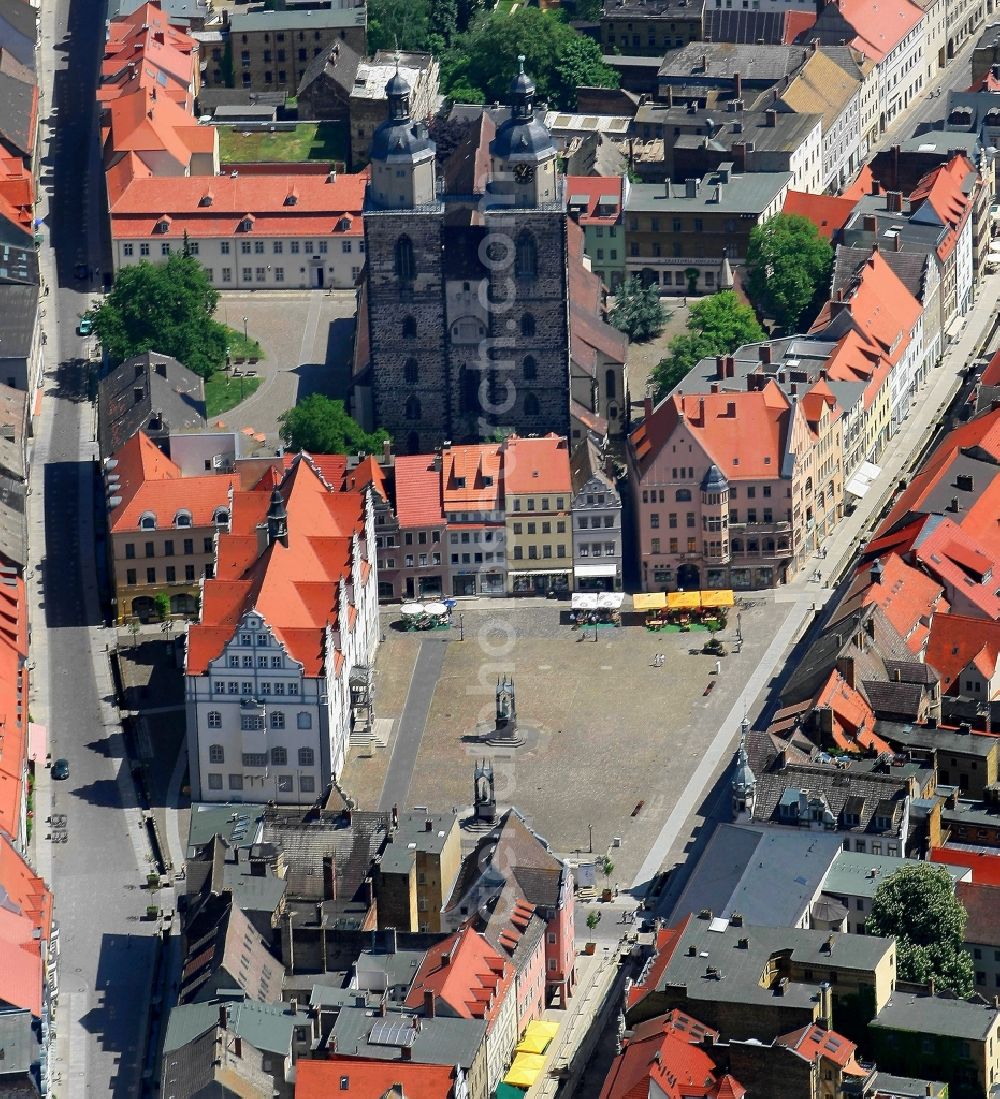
x,y
223,393
242,348
324,141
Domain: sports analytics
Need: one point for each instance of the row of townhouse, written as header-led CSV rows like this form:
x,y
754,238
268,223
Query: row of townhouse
x,y
525,516
250,226
739,474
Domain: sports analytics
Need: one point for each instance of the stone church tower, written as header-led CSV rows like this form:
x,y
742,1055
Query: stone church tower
x,y
467,279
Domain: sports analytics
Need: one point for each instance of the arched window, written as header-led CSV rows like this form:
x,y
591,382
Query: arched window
x,y
411,372
147,521
527,325
526,257
221,517
277,719
279,756
468,389
413,443
182,519
306,757
216,753
530,367
406,264
531,405
609,385
412,408
409,328
683,496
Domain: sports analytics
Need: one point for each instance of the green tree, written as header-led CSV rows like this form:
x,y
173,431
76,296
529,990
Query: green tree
x,y
638,312
161,604
788,267
918,905
593,919
443,19
165,307
322,426
557,58
398,24
717,325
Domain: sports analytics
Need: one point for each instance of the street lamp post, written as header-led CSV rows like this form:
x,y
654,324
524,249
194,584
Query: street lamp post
x,y
245,329
461,626
739,626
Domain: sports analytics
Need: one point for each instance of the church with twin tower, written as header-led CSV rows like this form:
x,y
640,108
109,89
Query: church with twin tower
x,y
465,296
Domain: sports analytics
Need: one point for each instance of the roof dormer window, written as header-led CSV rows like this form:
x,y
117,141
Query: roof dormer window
x,y
147,521
182,519
163,223
206,199
246,223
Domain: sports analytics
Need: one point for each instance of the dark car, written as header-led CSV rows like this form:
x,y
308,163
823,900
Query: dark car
x,y
60,769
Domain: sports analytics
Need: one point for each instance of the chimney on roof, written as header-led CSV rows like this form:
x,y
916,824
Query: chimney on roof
x,y
876,187
405,1053
770,118
704,62
765,353
894,200
730,366
869,223
223,1019
670,95
691,188
738,85
731,409
277,519
238,1047
647,406
876,571
814,45
715,387
430,1010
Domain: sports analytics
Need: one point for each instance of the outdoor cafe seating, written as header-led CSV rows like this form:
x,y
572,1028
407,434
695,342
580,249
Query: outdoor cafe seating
x,y
596,608
685,610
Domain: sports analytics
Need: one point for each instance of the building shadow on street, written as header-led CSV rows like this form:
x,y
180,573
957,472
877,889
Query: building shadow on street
x,y
118,1020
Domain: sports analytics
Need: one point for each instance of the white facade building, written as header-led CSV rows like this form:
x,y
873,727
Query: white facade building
x,y
269,689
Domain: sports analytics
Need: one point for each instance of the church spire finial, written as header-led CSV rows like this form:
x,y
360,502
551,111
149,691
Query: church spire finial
x,y
520,64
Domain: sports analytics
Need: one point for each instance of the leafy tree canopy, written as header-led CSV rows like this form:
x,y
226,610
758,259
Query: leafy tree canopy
x,y
165,307
557,58
717,325
918,905
788,267
638,312
322,426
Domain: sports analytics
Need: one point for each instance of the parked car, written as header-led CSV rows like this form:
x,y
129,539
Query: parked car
x,y
86,326
60,769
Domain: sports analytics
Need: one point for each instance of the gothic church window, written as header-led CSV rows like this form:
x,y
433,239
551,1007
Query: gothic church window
x,y
406,264
526,257
411,372
409,328
412,408
531,405
527,325
530,367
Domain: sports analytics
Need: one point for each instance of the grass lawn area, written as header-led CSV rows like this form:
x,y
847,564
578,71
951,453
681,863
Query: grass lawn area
x,y
222,393
242,348
326,141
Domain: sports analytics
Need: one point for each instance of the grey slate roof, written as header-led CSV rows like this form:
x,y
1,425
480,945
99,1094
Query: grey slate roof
x,y
289,19
339,65
744,27
13,425
412,836
740,968
266,1027
941,740
950,1018
905,1087
18,30
909,267
757,64
742,194
18,1042
198,1072
237,823
439,1041
17,113
168,388
768,876
18,312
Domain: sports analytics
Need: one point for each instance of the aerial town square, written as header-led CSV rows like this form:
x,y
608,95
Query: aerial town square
x,y
499,549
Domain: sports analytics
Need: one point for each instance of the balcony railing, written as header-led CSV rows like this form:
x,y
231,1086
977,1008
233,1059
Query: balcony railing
x,y
756,555
783,527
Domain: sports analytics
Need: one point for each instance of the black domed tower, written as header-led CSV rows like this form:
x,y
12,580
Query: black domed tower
x,y
402,155
523,154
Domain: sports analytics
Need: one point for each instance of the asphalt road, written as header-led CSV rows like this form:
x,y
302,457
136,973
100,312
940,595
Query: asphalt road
x,y
107,954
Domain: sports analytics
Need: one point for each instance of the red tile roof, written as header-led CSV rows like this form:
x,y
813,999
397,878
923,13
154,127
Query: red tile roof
x,y
942,190
861,186
797,23
961,565
16,192
369,1079
20,963
418,491
991,375
853,725
535,465
150,483
465,973
667,939
827,212
985,865
981,902
956,641
663,1057
13,705
295,588
206,206
908,597
24,889
470,478
366,472
879,28
593,189
812,1042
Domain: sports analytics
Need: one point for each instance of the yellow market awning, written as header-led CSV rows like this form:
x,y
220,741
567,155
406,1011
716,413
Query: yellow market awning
x,y
537,1037
525,1070
683,601
649,601
721,598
